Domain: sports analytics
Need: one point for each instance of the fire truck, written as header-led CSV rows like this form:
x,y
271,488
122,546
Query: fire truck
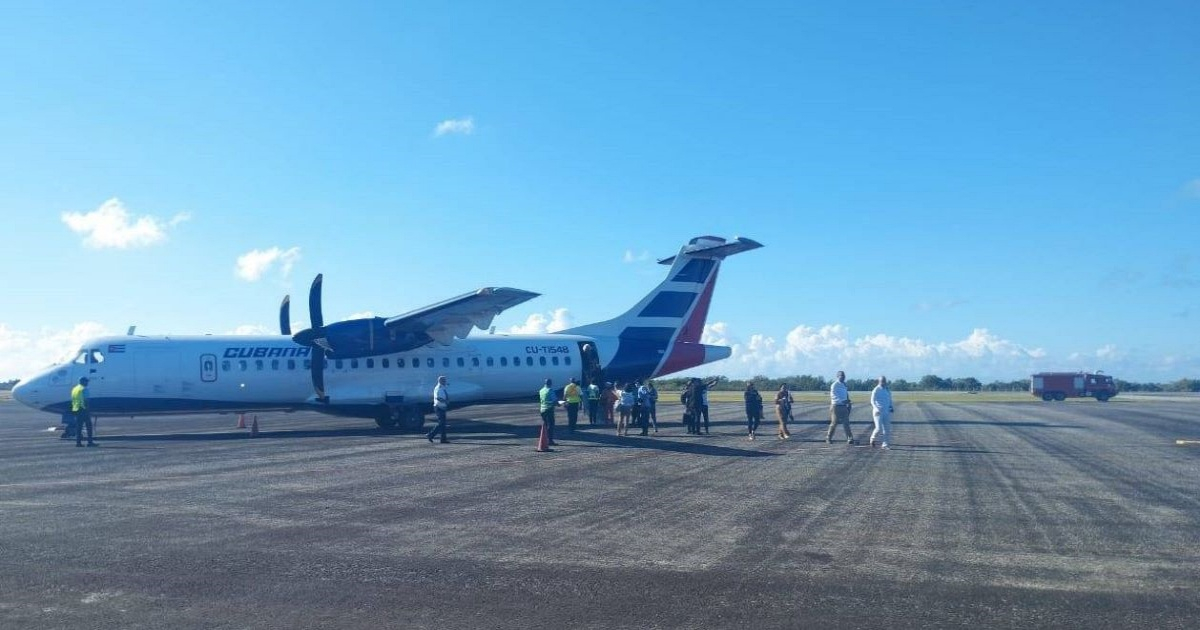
x,y
1063,385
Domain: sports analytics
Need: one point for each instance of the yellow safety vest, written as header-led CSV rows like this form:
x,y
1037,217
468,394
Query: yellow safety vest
x,y
78,402
572,393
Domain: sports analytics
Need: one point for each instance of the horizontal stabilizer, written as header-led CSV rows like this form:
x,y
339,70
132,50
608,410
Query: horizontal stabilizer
x,y
713,247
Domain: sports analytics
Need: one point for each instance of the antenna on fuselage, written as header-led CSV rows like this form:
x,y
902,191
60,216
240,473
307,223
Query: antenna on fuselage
x,y
131,329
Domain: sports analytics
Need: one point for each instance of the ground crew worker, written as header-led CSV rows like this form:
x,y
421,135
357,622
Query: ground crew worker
x,y
547,401
83,415
881,411
839,409
593,403
574,396
441,402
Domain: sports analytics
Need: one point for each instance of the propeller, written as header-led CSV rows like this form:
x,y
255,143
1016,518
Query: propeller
x,y
314,337
285,316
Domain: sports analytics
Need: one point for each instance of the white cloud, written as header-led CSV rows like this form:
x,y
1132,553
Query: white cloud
x,y
554,321
361,315
22,353
111,225
462,126
253,264
631,257
252,329
1192,188
828,348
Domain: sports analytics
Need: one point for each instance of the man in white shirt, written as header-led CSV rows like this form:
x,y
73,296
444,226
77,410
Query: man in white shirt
x,y
881,411
839,409
441,401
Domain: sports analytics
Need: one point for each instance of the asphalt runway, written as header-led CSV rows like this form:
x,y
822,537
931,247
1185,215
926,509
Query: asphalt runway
x,y
1081,515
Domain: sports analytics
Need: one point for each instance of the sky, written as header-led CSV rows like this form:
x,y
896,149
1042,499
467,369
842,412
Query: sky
x,y
955,188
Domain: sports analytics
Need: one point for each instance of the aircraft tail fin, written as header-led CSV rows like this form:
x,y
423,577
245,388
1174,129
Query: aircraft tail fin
x,y
661,333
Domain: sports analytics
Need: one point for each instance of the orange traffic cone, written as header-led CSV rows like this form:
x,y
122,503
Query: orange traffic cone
x,y
543,444
241,421
254,426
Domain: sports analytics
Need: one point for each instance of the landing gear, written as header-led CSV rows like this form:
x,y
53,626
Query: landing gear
x,y
409,419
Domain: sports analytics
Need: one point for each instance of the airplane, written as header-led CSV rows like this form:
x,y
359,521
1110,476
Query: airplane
x,y
386,368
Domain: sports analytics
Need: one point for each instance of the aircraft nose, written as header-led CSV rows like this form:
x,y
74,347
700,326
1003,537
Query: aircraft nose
x,y
20,393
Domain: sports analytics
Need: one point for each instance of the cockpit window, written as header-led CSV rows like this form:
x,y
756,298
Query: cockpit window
x,y
96,356
82,357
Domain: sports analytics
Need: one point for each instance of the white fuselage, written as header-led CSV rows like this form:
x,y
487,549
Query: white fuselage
x,y
136,375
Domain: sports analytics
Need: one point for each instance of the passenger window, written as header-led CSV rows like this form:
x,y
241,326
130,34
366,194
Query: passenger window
x,y
541,360
516,361
226,366
503,361
338,364
529,361
274,364
461,362
475,361
291,364
258,364
243,366
385,363
353,364
445,362
490,362
566,360
370,363
429,361
554,360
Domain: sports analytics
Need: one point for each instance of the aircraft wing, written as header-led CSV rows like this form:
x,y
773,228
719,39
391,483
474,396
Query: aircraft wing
x,y
456,316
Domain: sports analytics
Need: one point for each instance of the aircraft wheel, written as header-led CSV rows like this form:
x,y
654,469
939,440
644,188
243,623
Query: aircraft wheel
x,y
387,419
412,420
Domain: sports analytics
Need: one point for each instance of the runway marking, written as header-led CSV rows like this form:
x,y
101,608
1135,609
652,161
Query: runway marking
x,y
1187,442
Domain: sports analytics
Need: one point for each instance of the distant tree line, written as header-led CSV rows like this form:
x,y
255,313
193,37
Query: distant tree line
x,y
7,385
927,383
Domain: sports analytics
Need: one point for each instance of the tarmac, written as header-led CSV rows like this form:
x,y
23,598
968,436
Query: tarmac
x,y
1065,515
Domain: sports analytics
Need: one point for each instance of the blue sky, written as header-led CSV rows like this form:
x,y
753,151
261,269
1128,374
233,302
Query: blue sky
x,y
945,187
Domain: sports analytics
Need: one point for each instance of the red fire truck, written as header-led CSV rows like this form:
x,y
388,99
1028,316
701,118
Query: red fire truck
x,y
1062,385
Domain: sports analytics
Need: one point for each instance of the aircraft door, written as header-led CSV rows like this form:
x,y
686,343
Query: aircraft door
x,y
589,359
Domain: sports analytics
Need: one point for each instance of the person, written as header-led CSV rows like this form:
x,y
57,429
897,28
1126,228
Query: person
x,y
608,400
441,402
881,412
839,409
703,400
574,396
643,409
625,408
83,415
783,409
547,401
754,408
593,403
687,398
653,404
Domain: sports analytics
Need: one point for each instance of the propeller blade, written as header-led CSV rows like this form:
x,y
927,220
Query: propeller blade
x,y
318,375
314,304
285,316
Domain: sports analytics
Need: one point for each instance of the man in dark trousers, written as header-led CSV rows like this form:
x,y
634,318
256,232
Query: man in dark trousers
x,y
441,402
83,415
547,401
